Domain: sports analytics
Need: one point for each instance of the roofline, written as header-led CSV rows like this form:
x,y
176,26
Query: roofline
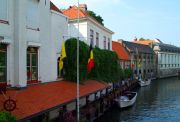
x,y
93,21
61,14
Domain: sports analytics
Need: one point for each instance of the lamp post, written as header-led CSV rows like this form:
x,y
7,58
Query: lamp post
x,y
78,111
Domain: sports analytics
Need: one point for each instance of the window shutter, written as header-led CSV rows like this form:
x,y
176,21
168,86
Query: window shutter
x,y
3,10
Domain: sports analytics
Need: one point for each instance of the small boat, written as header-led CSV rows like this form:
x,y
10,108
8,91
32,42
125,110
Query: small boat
x,y
127,100
145,82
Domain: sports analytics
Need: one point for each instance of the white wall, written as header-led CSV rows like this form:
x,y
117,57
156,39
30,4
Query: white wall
x,y
52,26
84,32
73,30
6,30
101,32
59,32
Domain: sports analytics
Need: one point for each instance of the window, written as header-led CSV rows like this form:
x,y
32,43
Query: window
x,y
104,42
3,10
108,43
3,62
97,39
32,64
32,14
92,37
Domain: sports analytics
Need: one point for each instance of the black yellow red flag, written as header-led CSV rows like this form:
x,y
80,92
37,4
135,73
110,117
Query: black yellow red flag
x,y
90,60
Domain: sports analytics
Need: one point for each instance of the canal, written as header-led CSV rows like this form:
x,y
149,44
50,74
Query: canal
x,y
159,102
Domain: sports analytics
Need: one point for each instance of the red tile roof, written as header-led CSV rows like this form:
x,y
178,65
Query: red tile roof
x,y
55,8
72,12
120,50
41,97
145,42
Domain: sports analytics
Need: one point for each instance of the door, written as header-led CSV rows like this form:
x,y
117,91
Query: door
x,y
3,63
32,64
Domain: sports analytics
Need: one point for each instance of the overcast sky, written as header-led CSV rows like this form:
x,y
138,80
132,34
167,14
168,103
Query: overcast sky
x,y
149,19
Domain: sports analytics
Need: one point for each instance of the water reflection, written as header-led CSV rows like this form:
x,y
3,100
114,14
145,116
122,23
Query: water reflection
x,y
155,103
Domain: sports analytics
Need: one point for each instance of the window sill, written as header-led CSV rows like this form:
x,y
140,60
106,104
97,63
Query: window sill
x,y
4,22
30,28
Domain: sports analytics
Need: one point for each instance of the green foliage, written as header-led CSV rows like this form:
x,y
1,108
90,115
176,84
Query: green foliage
x,y
142,39
83,120
97,17
46,117
106,67
70,64
128,73
7,117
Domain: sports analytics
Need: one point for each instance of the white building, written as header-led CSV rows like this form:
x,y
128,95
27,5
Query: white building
x,y
31,32
168,59
90,30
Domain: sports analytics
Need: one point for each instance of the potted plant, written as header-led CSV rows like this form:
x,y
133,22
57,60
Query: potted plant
x,y
7,117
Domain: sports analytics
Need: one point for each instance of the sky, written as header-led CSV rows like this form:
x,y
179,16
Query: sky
x,y
149,19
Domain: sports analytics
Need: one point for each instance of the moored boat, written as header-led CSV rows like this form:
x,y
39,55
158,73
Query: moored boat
x,y
126,100
144,82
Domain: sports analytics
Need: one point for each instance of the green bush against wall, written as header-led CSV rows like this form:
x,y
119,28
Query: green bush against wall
x,y
106,66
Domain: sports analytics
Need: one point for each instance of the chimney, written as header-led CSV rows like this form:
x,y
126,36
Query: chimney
x,y
83,7
120,40
135,39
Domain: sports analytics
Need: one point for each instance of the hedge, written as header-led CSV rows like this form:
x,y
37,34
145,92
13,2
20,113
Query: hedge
x,y
106,66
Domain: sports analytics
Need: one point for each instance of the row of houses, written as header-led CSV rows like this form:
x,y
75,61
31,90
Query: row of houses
x,y
148,58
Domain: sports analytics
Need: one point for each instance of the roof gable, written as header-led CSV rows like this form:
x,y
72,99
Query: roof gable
x,y
55,8
72,12
120,50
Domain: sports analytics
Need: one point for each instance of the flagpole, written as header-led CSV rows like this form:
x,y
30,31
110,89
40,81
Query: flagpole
x,y
78,113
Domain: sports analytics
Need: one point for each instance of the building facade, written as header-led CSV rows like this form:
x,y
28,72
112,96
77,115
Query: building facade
x,y
167,57
31,32
168,60
90,30
142,59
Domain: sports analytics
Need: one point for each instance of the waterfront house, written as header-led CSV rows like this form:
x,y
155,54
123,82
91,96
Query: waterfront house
x,y
31,38
123,55
31,33
142,59
167,57
90,30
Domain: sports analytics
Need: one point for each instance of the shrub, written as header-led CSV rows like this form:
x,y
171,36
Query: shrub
x,y
7,117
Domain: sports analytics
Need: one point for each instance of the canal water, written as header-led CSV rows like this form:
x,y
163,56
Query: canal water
x,y
159,102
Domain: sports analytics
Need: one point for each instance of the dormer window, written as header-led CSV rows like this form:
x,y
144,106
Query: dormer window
x,y
32,14
3,10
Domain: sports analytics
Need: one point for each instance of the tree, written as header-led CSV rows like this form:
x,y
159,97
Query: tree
x,y
142,39
97,17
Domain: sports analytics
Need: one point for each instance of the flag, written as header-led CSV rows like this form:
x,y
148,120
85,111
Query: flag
x,y
90,60
62,56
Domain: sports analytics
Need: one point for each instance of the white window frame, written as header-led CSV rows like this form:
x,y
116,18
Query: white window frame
x,y
97,39
104,41
92,37
109,47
